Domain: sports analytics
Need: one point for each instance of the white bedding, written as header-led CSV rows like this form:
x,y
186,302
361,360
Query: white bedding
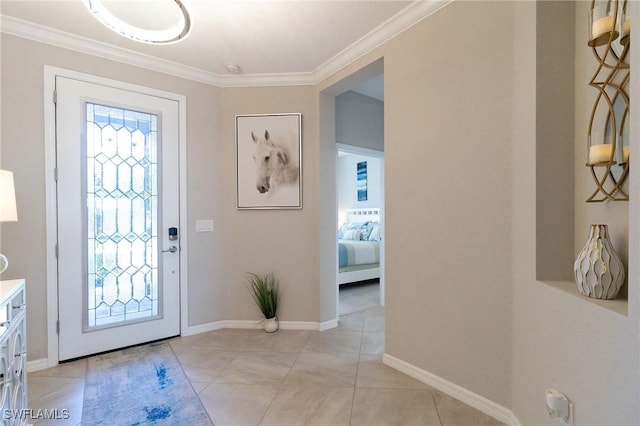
x,y
353,252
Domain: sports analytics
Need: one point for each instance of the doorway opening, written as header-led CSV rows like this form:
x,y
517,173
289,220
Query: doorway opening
x,y
360,191
332,132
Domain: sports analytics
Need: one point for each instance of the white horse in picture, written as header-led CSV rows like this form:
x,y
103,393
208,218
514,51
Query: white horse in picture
x,y
275,163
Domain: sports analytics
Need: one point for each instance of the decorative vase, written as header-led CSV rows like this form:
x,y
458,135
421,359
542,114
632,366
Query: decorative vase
x,y
270,324
598,269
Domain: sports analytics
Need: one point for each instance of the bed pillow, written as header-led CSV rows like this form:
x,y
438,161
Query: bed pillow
x,y
352,234
374,235
350,227
366,231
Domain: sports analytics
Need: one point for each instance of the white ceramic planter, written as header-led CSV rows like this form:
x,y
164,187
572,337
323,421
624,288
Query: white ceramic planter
x,y
270,324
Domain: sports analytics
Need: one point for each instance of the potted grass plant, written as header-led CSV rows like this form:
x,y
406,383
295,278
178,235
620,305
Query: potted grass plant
x,y
266,292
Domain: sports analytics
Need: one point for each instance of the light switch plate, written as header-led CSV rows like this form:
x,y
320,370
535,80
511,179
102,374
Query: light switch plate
x,y
204,225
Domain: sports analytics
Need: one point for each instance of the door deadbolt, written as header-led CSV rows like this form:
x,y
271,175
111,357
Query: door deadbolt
x,y
173,233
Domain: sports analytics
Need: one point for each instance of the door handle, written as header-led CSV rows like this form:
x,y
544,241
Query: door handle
x,y
171,249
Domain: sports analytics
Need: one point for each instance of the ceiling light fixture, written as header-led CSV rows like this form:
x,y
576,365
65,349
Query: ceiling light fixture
x,y
169,35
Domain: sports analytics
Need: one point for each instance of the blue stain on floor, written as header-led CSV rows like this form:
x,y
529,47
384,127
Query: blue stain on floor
x,y
158,413
163,395
161,374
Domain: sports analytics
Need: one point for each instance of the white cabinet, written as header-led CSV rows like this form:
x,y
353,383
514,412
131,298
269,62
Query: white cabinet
x,y
13,353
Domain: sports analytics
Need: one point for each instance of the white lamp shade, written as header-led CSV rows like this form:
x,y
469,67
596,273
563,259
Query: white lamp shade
x,y
8,211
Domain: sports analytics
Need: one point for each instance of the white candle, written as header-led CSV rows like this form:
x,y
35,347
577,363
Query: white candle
x,y
625,153
626,27
600,153
602,26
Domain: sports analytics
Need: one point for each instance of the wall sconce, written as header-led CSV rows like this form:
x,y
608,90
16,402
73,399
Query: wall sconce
x,y
608,133
8,211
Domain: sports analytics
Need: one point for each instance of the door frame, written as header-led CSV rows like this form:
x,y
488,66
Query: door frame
x,y
50,74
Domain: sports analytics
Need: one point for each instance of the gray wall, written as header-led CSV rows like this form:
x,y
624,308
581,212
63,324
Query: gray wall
x,y
270,240
447,160
360,121
555,66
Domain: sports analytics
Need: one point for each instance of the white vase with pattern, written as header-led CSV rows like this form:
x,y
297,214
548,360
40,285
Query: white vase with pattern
x,y
598,269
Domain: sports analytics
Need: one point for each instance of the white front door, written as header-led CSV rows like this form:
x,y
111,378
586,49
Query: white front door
x,y
117,197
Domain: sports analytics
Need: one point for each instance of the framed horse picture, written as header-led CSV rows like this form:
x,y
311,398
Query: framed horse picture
x,y
269,161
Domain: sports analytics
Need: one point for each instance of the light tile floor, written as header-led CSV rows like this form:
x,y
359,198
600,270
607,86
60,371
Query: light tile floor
x,y
358,296
249,377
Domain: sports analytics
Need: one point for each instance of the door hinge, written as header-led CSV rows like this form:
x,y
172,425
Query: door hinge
x,y
55,96
57,251
55,174
58,327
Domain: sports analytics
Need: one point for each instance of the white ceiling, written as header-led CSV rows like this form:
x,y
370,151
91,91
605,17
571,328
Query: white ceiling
x,y
297,42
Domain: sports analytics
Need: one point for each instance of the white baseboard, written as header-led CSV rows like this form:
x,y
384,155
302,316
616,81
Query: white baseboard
x,y
217,325
300,325
239,324
476,401
327,325
37,365
201,328
284,325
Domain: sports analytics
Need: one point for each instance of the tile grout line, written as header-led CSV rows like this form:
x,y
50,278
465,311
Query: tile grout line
x,y
189,380
355,380
433,398
297,357
282,385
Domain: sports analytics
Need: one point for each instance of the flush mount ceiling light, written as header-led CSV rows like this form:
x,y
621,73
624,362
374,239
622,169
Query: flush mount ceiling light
x,y
170,35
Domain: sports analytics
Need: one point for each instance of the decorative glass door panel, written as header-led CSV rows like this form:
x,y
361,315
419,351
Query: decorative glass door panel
x,y
122,215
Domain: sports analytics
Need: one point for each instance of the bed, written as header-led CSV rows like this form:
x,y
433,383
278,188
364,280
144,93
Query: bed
x,y
359,246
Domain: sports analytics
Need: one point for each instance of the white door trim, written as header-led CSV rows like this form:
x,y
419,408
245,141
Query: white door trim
x,y
50,74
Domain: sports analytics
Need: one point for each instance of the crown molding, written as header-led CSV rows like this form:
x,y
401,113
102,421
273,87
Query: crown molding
x,y
398,23
401,21
261,80
48,35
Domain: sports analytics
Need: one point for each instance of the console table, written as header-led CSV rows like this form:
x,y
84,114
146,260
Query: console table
x,y
13,351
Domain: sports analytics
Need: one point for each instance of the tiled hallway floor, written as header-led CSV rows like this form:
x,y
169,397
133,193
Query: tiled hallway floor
x,y
358,297
249,377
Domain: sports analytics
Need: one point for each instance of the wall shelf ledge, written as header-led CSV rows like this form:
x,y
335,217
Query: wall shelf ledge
x,y
619,305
